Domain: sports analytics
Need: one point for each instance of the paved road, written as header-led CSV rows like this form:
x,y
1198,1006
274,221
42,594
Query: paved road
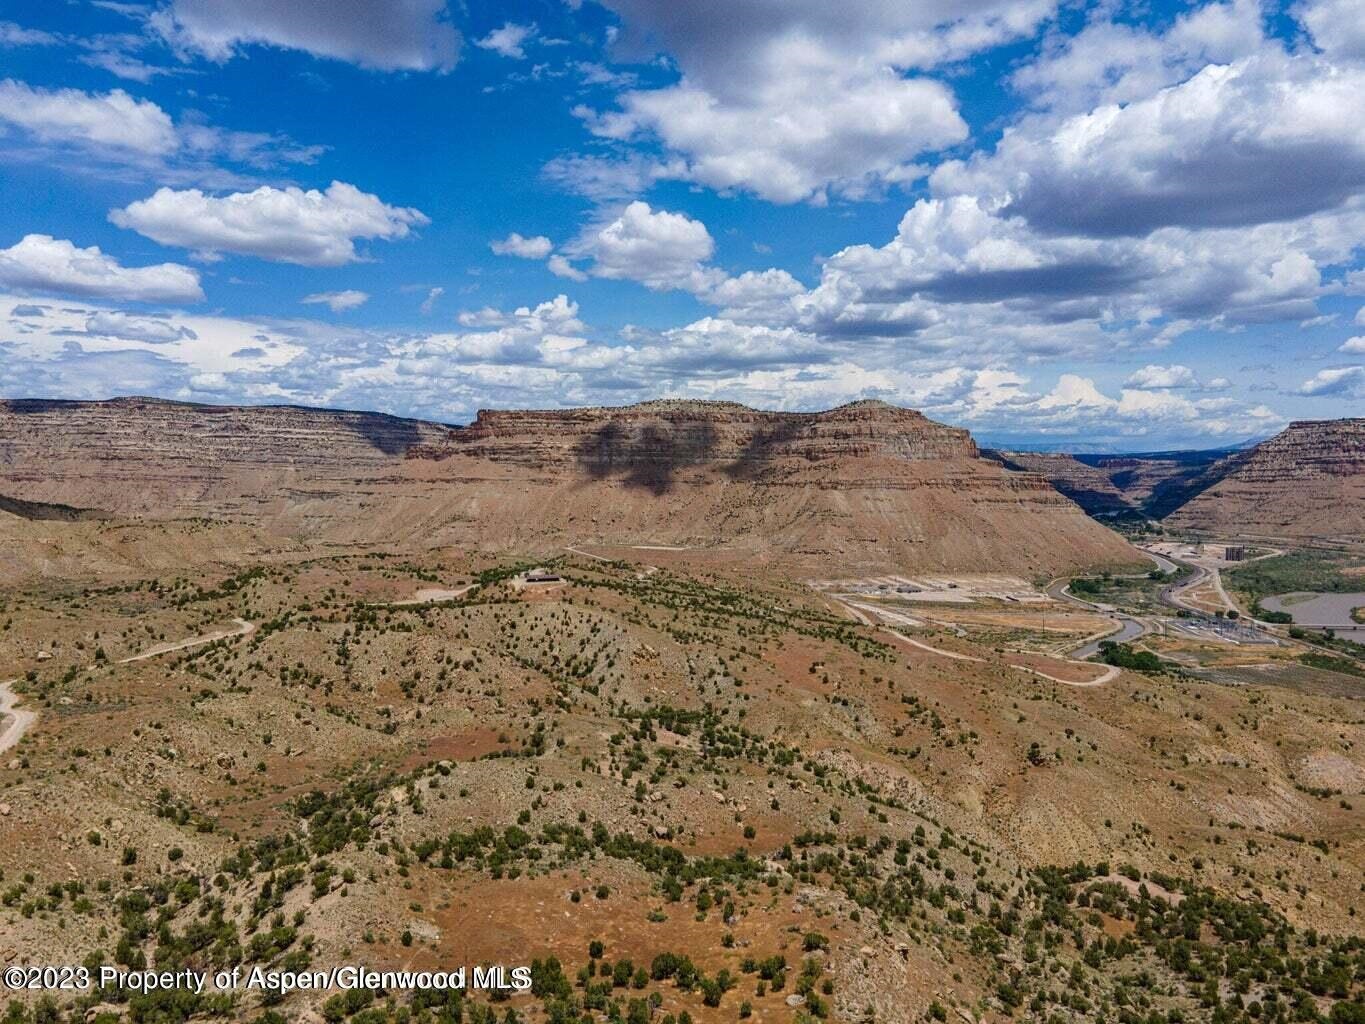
x,y
1126,627
1129,629
1162,562
1171,596
1170,593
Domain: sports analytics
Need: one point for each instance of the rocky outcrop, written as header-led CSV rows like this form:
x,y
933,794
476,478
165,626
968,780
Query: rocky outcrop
x,y
1307,481
43,511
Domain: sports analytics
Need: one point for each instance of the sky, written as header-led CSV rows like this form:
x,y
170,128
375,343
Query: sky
x,y
1118,226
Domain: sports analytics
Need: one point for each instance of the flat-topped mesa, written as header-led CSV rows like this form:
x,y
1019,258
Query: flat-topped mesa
x,y
177,433
1307,449
1306,481
865,485
693,433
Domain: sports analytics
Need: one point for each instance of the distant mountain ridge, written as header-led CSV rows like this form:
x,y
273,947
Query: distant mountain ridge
x,y
1108,451
866,486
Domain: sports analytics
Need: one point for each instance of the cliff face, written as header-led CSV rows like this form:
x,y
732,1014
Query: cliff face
x,y
147,430
865,486
1307,481
1307,450
671,435
1088,486
147,457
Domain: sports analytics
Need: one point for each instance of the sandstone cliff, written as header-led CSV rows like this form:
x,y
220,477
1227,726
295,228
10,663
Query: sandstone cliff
x,y
1307,481
148,457
867,486
1088,486
670,434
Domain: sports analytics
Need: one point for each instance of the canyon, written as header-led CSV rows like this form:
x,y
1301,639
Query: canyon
x,y
1308,481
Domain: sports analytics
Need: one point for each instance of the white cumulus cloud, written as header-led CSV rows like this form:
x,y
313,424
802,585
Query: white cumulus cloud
x,y
1269,137
508,41
386,35
1153,376
1337,26
792,101
561,267
112,120
795,135
338,302
288,225
659,249
70,129
152,330
535,248
42,263
1339,381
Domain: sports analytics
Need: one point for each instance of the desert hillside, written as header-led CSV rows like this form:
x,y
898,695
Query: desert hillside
x,y
867,485
700,713
718,795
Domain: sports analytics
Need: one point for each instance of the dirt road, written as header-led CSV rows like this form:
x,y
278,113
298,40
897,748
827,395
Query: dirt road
x,y
432,595
15,721
243,628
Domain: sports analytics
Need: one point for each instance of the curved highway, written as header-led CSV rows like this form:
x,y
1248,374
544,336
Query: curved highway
x,y
1128,627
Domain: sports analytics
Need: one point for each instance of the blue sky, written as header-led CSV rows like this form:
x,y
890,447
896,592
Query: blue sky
x,y
1129,225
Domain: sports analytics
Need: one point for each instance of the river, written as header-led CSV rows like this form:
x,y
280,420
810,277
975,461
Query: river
x,y
1321,611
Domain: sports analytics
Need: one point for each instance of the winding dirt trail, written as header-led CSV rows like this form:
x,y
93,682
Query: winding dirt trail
x,y
933,650
1109,674
243,628
587,554
17,721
